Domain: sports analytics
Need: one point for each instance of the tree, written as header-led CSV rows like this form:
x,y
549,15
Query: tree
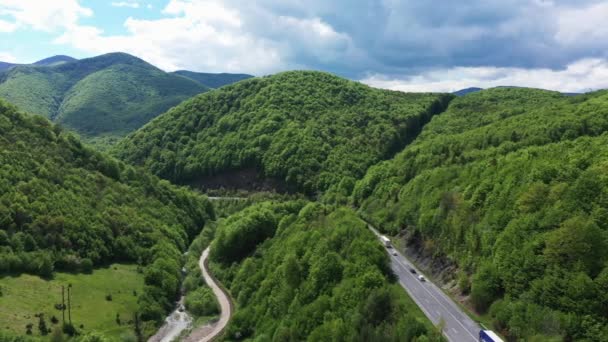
x,y
486,287
579,242
42,325
292,271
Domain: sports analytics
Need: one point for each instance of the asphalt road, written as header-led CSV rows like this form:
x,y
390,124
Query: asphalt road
x,y
435,304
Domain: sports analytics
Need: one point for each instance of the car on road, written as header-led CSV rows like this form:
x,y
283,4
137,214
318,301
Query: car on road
x,y
412,270
421,278
394,252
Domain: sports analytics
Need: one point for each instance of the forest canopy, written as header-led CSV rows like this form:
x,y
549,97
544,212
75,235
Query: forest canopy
x,y
306,129
310,272
510,184
66,207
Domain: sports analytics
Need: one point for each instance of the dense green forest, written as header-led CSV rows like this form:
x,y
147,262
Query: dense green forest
x,y
66,207
309,130
301,271
511,185
212,80
109,94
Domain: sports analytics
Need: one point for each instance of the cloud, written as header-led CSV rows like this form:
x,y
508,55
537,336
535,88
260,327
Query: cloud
x,y
388,39
48,16
580,76
6,26
7,57
130,4
210,36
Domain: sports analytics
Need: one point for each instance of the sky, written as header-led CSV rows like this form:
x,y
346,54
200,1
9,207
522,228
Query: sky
x,y
408,45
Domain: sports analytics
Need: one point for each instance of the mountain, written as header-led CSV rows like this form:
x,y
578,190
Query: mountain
x,y
507,190
213,80
50,61
298,131
109,94
55,60
463,92
5,65
66,207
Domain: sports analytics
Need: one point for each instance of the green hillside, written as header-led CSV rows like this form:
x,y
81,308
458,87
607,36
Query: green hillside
x,y
306,272
65,207
109,94
213,80
305,130
511,185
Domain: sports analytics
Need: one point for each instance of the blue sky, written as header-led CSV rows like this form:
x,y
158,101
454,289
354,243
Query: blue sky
x,y
410,45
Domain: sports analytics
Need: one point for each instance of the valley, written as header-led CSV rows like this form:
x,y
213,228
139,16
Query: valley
x,y
249,204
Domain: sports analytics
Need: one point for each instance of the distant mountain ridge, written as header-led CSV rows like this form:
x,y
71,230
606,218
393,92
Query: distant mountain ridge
x,y
465,91
213,80
111,94
49,61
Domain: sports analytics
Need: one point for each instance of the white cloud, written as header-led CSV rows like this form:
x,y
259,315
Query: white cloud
x,y
130,4
46,16
6,27
584,26
7,57
583,75
208,35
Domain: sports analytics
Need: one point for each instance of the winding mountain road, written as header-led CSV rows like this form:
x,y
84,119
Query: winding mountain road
x,y
210,331
435,304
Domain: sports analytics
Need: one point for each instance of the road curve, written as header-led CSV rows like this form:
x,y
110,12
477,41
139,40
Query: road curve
x,y
435,304
209,332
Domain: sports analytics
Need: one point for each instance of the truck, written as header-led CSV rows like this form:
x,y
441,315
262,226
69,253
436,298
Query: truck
x,y
489,336
386,241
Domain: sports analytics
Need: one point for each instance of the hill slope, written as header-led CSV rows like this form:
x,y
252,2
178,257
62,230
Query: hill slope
x,y
510,185
307,130
108,94
66,207
213,80
311,274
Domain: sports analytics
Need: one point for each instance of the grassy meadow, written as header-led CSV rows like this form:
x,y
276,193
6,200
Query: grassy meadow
x,y
25,296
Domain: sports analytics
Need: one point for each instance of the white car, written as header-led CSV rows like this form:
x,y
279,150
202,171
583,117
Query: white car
x,y
394,252
421,278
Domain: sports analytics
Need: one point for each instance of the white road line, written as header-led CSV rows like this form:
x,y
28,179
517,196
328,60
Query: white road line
x,y
443,306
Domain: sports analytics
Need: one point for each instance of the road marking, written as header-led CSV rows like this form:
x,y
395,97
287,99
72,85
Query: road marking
x,y
426,289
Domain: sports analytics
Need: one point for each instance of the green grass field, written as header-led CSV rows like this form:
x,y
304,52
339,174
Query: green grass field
x,y
26,295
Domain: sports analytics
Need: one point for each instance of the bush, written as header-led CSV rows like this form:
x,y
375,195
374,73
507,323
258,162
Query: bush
x,y
202,302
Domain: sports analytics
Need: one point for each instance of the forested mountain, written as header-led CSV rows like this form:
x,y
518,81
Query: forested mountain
x,y
308,130
50,61
306,272
213,80
510,184
109,94
66,207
